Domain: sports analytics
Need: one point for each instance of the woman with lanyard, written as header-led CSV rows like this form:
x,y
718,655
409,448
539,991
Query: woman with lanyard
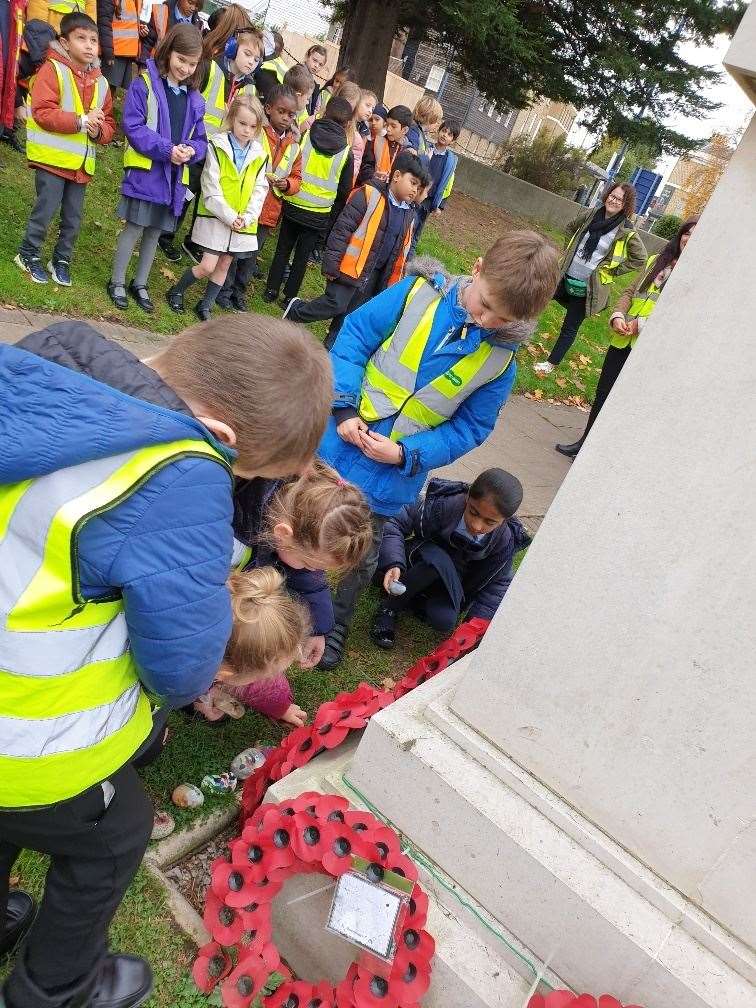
x,y
603,247
630,315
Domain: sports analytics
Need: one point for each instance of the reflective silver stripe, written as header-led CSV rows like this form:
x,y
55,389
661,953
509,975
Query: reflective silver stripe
x,y
495,364
373,201
152,105
330,184
283,168
30,738
57,141
387,361
54,652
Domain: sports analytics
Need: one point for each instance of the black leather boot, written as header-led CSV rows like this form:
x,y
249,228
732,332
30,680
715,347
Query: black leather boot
x,y
19,916
570,450
383,628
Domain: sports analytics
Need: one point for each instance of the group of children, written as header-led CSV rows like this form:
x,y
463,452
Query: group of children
x,y
240,143
422,363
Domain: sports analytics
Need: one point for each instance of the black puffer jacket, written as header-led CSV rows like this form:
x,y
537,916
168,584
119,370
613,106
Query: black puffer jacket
x,y
327,137
485,573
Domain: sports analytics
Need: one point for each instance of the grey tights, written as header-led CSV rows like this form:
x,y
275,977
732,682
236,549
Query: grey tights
x,y
126,243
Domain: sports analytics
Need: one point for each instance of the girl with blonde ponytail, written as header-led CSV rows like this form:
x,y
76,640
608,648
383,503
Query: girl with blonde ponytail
x,y
270,628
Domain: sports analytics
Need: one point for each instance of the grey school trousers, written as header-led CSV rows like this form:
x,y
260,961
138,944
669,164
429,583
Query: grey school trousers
x,y
53,193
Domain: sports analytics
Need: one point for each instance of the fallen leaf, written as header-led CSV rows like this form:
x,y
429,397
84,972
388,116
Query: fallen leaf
x,y
168,274
388,683
578,384
538,393
532,350
584,359
14,881
561,382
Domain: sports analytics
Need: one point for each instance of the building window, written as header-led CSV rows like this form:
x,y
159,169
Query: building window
x,y
498,117
435,78
491,108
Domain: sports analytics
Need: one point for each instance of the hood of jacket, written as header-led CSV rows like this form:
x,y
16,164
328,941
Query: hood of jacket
x,y
69,395
38,36
327,136
56,52
441,511
435,273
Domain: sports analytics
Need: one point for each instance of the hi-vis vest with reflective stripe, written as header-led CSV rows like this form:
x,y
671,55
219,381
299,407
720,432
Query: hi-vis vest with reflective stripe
x,y
640,307
67,6
160,17
388,387
606,273
132,158
237,187
283,169
126,29
277,66
383,159
361,243
320,178
214,94
72,709
65,150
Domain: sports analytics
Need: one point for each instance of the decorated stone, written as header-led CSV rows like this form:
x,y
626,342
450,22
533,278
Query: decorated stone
x,y
163,825
245,764
187,796
218,784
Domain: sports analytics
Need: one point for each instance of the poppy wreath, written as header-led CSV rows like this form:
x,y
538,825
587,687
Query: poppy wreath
x,y
311,833
349,712
566,999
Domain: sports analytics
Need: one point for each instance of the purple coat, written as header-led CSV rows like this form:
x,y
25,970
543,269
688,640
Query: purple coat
x,y
162,182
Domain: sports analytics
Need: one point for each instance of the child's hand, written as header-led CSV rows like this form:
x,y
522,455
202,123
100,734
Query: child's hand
x,y
93,128
177,155
312,651
439,211
380,449
350,430
619,325
143,29
277,183
391,575
238,224
294,715
632,327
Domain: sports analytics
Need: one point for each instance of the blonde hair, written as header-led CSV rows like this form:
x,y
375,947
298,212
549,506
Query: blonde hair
x,y
352,93
249,102
327,516
428,112
522,272
268,379
269,625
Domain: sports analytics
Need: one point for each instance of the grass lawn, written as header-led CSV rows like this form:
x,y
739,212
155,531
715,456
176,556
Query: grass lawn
x,y
454,238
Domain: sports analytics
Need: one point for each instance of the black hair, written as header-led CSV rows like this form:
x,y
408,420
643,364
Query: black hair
x,y
669,254
339,71
76,19
214,18
278,92
407,162
453,127
401,114
502,488
338,110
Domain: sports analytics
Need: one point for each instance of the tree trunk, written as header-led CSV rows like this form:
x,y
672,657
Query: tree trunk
x,y
366,43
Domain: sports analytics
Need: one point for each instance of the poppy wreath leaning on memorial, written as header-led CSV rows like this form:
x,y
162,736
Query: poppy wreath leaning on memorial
x,y
349,712
566,999
313,833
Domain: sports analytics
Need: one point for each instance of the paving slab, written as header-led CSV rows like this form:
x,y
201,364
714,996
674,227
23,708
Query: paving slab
x,y
522,441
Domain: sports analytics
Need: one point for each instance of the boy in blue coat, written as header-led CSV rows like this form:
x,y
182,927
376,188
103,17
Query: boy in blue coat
x,y
442,168
116,505
421,372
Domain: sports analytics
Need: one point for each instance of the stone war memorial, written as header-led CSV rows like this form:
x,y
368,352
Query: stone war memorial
x,y
582,786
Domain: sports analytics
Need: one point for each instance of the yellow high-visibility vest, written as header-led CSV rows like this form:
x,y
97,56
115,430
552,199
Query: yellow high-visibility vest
x,y
65,150
237,187
388,387
131,157
214,94
640,307
320,178
277,66
72,709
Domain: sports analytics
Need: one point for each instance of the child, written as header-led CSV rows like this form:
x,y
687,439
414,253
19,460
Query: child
x,y
452,550
327,181
367,247
377,121
365,110
163,16
302,83
425,120
139,457
120,40
382,149
333,86
398,415
229,58
315,59
273,70
442,167
268,633
71,111
284,176
162,120
234,188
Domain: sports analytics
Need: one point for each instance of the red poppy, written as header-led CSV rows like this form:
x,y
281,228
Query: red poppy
x,y
224,923
346,844
227,878
385,840
210,967
263,891
402,865
254,791
311,837
299,992
417,913
331,807
258,930
345,990
416,942
306,802
274,840
410,974
359,821
373,991
330,733
242,986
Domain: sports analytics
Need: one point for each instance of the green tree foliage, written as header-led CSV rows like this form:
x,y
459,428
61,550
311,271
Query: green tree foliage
x,y
667,226
547,162
616,60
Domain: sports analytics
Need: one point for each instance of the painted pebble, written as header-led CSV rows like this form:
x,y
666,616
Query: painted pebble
x,y
187,796
219,783
163,825
245,764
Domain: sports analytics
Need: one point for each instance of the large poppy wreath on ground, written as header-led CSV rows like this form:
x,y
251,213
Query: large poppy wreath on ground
x,y
312,833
